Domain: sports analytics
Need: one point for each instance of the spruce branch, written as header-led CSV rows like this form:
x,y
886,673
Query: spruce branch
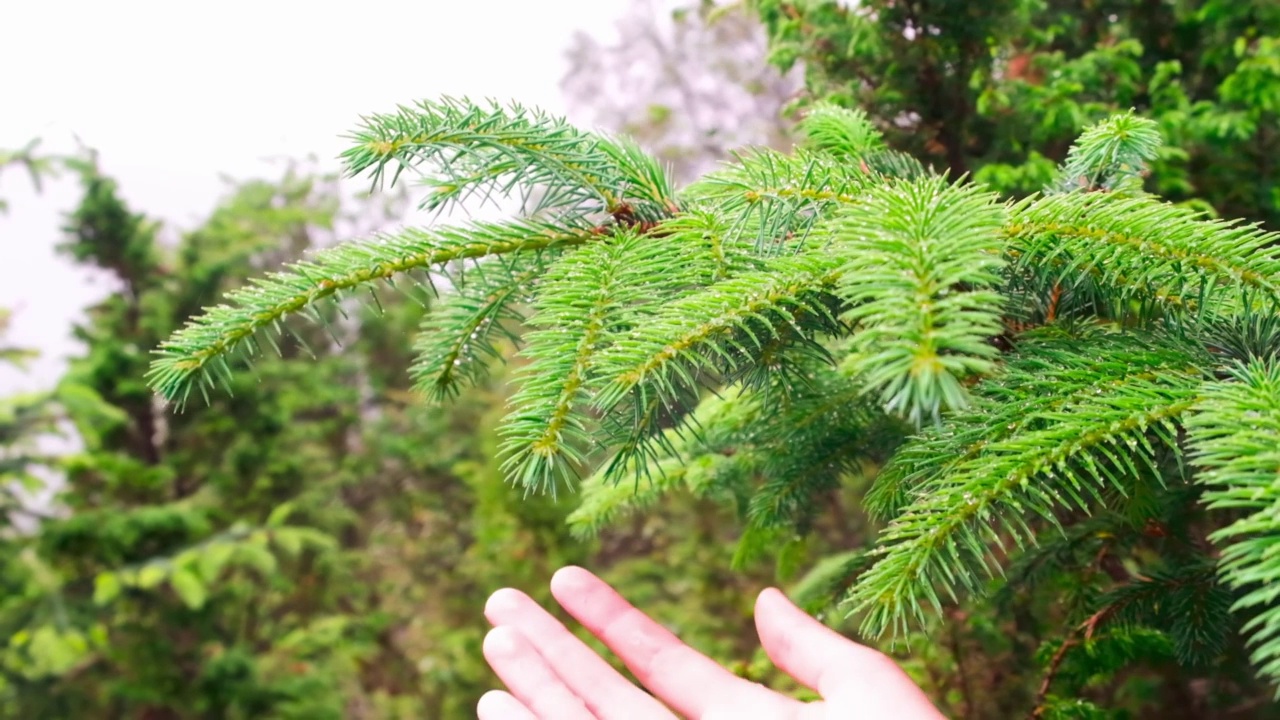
x,y
708,250
196,355
756,328
584,298
706,456
679,255
1186,601
787,442
894,164
775,200
454,344
1064,459
1050,371
1076,550
840,131
922,258
1244,338
833,301
690,252
1234,436
849,136
769,450
463,148
721,330
1138,251
1077,660
821,429
1112,155
605,502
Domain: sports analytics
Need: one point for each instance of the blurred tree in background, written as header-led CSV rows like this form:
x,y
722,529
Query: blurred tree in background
x,y
24,419
37,166
318,544
192,570
1000,89
687,80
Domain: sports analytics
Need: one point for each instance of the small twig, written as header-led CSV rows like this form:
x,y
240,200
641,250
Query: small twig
x,y
1086,629
1054,296
1054,664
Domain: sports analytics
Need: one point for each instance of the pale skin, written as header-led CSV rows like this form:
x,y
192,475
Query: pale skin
x,y
551,675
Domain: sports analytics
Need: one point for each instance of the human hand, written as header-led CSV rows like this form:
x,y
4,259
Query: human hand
x,y
551,675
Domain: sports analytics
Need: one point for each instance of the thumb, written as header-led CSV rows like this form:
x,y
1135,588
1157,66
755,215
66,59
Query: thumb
x,y
843,672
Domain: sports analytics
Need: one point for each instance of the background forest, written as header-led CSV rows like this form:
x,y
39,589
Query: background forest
x,y
318,542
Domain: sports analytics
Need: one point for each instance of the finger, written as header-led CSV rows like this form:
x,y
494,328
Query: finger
x,y
604,690
685,679
834,666
529,678
498,705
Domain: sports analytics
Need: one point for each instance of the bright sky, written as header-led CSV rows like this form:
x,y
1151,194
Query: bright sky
x,y
174,93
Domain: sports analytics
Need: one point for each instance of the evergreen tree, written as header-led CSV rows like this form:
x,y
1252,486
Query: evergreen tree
x,y
198,566
24,419
1000,89
37,166
319,544
1065,404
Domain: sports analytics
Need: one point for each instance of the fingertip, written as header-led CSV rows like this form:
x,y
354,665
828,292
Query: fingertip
x,y
500,705
816,655
772,597
501,603
774,608
771,620
571,579
502,641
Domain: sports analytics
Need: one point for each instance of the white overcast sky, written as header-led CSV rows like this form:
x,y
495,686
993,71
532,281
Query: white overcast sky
x,y
174,93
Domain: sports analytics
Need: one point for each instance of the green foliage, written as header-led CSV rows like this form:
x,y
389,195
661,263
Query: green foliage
x,y
924,258
794,322
474,149
24,420
1001,89
28,420
1031,462
38,166
325,277
841,131
318,543
1234,437
1122,145
168,579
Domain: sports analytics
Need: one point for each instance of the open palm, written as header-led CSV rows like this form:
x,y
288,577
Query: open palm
x,y
550,674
